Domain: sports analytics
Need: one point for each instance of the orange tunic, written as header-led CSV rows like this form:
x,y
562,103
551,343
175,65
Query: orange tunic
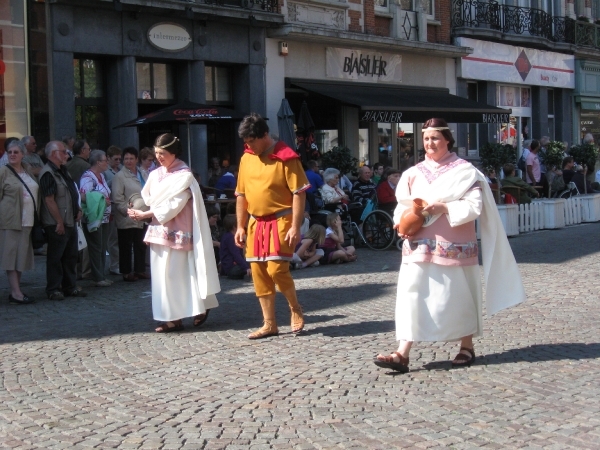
x,y
269,182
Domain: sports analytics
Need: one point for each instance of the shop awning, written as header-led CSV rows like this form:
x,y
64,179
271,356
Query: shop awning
x,y
408,104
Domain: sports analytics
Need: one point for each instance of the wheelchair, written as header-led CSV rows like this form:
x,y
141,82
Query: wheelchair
x,y
377,226
569,192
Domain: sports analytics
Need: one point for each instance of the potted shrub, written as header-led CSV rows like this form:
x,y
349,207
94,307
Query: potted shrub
x,y
340,158
552,158
496,155
585,154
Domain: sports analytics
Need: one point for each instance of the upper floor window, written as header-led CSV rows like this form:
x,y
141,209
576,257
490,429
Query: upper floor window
x,y
154,81
218,84
90,102
427,6
382,5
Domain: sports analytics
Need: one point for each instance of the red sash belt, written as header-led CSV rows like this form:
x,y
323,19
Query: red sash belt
x,y
265,227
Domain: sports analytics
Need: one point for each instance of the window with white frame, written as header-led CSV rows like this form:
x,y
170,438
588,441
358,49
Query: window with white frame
x,y
382,6
427,6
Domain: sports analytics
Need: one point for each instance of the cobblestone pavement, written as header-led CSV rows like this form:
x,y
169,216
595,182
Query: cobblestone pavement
x,y
92,373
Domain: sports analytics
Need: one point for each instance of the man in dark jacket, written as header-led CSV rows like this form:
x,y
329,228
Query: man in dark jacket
x,y
510,183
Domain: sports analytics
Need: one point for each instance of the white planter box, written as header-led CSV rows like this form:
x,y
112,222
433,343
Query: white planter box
x,y
509,215
590,207
554,212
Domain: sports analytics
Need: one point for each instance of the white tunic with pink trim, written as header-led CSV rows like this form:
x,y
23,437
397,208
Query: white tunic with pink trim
x,y
439,287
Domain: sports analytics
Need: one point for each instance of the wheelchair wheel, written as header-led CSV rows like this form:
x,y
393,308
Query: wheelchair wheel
x,y
399,244
565,194
378,230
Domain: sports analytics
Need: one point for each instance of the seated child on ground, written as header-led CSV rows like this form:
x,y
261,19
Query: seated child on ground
x,y
213,219
233,263
307,253
335,252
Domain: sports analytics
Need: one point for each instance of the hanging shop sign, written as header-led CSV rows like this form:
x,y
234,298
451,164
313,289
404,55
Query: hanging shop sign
x,y
169,36
492,61
363,65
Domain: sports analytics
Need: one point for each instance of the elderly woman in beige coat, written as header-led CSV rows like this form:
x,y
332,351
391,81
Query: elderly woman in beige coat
x,y
17,213
129,181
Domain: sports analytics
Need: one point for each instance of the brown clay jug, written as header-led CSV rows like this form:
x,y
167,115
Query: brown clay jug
x,y
412,219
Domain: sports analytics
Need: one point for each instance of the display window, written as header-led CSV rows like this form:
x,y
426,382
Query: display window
x,y
518,129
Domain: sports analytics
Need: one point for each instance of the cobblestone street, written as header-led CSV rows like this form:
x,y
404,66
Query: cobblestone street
x,y
91,372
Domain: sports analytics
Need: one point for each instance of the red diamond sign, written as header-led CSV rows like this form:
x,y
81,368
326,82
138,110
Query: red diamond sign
x,y
523,65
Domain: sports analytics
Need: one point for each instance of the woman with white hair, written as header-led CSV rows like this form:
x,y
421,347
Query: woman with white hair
x,y
330,192
95,193
19,200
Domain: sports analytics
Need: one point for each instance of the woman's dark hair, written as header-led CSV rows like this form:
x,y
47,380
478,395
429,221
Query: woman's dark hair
x,y
567,160
131,150
169,143
229,222
387,173
211,211
437,122
253,126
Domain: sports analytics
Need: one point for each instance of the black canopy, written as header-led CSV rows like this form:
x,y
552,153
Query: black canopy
x,y
385,103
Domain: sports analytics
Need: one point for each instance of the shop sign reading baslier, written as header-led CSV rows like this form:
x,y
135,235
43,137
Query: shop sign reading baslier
x,y
363,65
169,36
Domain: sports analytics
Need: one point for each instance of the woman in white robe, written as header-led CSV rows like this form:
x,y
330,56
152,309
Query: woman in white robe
x,y
182,261
439,286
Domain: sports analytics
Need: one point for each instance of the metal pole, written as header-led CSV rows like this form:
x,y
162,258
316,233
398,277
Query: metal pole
x,y
189,137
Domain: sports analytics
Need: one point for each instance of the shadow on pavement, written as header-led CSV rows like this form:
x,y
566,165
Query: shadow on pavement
x,y
532,354
355,329
92,317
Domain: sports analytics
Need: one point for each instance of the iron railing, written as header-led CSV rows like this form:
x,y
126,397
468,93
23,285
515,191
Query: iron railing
x,y
265,5
519,20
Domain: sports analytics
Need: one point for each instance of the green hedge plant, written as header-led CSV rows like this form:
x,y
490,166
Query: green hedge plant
x,y
494,156
339,158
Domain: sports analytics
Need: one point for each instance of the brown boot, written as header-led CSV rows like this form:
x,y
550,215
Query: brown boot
x,y
269,328
297,324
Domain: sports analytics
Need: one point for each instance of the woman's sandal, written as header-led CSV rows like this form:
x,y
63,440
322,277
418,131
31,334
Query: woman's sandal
x,y
389,362
165,328
201,318
463,360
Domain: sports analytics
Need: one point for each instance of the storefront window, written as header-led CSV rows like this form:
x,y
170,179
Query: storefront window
x,y
14,118
90,110
218,84
154,81
518,99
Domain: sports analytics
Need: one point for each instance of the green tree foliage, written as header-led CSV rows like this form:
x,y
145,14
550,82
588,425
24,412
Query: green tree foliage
x,y
585,154
339,158
554,155
496,155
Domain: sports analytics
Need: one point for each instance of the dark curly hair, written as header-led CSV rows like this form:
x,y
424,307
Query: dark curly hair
x,y
253,126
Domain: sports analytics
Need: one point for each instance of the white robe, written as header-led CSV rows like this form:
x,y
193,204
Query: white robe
x,y
184,283
444,303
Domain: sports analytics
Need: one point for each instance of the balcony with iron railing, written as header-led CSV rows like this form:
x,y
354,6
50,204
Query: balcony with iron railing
x,y
513,21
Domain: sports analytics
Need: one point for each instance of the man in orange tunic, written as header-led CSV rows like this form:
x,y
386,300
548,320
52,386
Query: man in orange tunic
x,y
270,201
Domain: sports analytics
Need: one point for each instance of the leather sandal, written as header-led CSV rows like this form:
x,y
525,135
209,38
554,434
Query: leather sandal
x,y
297,320
201,318
388,362
165,328
268,329
462,360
